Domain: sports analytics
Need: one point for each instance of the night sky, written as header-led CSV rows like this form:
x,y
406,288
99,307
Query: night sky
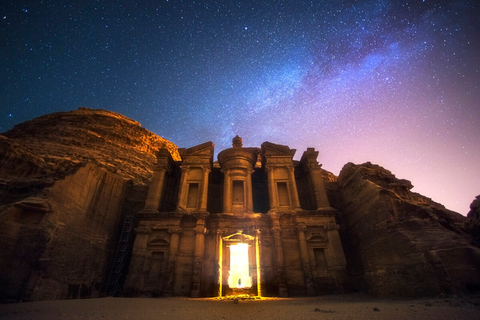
x,y
391,82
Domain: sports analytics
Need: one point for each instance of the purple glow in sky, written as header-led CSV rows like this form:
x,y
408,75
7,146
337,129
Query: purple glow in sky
x,y
391,82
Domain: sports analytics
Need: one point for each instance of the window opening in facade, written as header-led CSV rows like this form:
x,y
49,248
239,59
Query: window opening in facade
x,y
320,261
238,193
283,199
192,195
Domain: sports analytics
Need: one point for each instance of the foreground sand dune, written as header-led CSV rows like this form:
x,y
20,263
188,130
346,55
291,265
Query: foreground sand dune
x,y
352,306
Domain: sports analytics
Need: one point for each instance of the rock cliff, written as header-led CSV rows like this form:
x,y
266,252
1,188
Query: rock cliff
x,y
400,243
64,178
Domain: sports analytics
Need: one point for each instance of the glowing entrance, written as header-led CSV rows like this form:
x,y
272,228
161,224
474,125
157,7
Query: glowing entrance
x,y
238,276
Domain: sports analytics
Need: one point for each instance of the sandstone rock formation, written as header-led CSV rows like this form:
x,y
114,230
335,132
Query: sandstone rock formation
x,y
400,243
53,144
472,224
64,179
68,179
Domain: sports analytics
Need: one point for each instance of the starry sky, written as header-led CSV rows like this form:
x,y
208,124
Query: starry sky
x,y
391,82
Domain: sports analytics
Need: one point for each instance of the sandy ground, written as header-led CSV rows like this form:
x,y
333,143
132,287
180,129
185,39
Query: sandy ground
x,y
351,306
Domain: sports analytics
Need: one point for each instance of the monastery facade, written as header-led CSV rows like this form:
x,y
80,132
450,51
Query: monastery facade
x,y
256,222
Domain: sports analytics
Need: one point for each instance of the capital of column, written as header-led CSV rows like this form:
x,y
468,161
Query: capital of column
x,y
185,168
143,230
175,230
301,228
200,229
220,232
200,216
291,168
276,231
270,168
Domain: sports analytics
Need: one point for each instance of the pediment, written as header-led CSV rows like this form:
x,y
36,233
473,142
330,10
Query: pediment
x,y
238,237
273,149
317,237
159,241
203,149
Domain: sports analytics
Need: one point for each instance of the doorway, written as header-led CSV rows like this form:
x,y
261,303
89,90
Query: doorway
x,y
239,273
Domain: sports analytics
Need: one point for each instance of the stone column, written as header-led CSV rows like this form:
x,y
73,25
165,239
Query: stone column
x,y
155,190
279,260
219,266
183,190
198,255
227,192
249,190
204,192
258,254
172,259
271,189
293,188
307,270
318,186
280,264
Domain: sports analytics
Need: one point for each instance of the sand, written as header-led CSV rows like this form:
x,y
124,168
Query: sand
x,y
350,306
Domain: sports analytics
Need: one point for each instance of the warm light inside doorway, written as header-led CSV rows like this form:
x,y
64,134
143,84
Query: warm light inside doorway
x,y
238,276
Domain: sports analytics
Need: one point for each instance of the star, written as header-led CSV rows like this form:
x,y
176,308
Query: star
x,y
394,83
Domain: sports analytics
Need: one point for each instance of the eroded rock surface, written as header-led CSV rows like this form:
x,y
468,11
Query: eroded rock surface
x,y
400,243
55,143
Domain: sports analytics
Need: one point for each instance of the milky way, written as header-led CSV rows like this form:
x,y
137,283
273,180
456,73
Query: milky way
x,y
391,82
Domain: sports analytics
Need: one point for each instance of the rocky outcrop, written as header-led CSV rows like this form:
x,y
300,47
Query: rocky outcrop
x,y
53,144
472,224
64,178
399,243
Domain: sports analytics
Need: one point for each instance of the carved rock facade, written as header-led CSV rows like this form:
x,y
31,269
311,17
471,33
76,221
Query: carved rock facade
x,y
256,200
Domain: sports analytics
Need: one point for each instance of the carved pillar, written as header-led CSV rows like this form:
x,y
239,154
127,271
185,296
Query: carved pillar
x,y
280,264
318,186
227,192
307,271
183,190
271,189
249,190
198,256
172,259
293,188
155,190
258,254
279,260
219,266
204,192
